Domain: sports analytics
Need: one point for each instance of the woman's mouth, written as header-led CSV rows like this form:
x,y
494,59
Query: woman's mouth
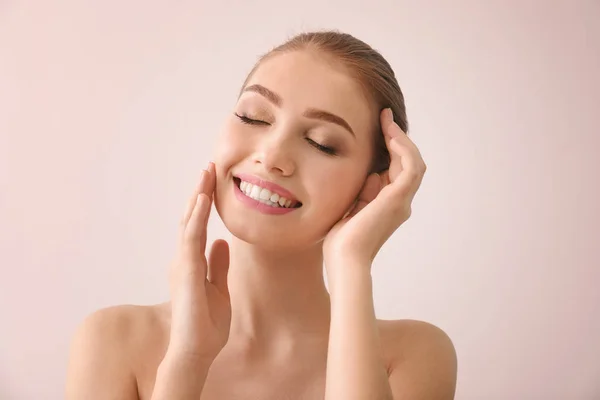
x,y
264,195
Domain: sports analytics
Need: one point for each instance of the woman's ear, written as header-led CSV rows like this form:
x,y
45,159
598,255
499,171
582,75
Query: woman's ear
x,y
369,190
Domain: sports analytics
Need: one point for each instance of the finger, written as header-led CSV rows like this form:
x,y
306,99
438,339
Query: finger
x,y
411,173
405,142
393,132
190,205
205,185
388,126
404,154
218,265
192,201
208,186
194,241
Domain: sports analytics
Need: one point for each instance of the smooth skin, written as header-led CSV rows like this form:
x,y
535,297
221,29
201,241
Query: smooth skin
x,y
192,348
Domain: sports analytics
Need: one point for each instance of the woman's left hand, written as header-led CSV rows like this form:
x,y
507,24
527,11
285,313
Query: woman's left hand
x,y
383,204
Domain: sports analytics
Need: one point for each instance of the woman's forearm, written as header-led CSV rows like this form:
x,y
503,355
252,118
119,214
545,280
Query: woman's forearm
x,y
355,368
180,378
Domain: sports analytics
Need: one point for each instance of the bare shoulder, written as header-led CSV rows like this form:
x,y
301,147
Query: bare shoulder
x,y
421,359
106,350
401,336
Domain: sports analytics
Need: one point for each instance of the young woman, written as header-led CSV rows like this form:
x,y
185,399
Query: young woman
x,y
313,168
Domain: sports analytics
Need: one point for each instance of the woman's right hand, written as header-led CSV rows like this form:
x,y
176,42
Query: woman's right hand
x,y
200,304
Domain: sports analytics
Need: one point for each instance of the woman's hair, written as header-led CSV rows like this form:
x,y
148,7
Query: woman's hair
x,y
367,65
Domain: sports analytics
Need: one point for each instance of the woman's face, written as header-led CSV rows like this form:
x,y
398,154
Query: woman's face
x,y
306,126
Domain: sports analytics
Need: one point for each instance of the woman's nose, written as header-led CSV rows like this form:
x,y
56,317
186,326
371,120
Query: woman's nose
x,y
275,153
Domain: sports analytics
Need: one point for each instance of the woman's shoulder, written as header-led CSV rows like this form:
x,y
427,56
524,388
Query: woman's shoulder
x,y
415,347
404,335
122,328
111,344
409,330
402,339
123,323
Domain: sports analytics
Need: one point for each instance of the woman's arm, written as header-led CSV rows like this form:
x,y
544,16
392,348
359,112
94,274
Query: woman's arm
x,y
180,378
424,359
355,369
354,366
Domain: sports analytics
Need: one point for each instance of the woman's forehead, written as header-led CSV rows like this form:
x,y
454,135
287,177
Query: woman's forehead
x,y
303,80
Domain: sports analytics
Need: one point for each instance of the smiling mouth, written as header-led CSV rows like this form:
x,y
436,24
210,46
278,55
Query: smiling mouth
x,y
265,195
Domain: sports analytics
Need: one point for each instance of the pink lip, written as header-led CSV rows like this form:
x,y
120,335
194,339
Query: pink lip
x,y
257,205
274,188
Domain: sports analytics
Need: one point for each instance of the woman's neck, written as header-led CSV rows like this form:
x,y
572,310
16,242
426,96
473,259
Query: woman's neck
x,y
279,301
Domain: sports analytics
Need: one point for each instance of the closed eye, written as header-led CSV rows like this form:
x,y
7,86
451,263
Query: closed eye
x,y
328,150
250,121
325,149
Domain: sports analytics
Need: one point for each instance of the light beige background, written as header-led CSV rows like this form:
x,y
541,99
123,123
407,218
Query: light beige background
x,y
109,110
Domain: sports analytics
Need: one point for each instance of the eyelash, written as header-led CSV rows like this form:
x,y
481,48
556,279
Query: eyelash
x,y
327,150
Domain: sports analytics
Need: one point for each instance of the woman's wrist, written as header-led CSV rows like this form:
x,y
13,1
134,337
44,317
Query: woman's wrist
x,y
192,357
348,270
181,376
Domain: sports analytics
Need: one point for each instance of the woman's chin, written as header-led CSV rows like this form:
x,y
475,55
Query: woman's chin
x,y
265,237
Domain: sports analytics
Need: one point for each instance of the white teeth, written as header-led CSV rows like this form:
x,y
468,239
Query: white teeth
x,y
264,195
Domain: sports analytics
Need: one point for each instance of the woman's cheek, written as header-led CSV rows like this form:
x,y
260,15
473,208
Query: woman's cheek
x,y
337,195
230,145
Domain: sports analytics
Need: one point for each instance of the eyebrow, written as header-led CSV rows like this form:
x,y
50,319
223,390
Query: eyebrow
x,y
309,113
